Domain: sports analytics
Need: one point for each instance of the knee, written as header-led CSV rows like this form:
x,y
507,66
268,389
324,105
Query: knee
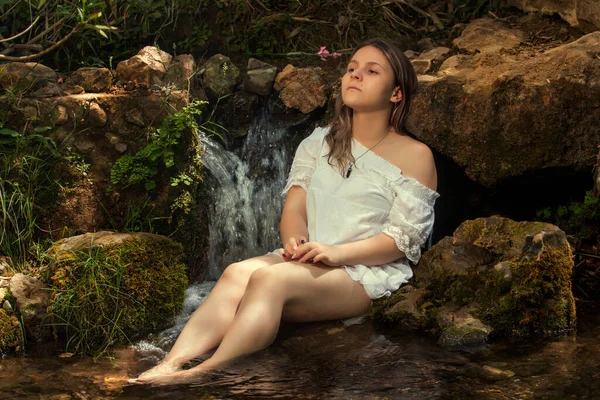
x,y
266,278
237,273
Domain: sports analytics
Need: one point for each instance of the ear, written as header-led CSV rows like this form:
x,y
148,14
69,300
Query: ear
x,y
396,95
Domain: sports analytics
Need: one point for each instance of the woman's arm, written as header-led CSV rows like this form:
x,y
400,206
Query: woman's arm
x,y
376,250
293,224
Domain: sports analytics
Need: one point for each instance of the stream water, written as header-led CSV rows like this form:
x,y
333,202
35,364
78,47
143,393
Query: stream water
x,y
308,361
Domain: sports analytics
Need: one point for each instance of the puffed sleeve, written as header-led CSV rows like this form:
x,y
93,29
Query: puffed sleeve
x,y
305,160
411,217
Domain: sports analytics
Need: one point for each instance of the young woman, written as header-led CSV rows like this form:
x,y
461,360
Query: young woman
x,y
359,206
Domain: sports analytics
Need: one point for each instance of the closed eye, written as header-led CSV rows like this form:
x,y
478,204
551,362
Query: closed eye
x,y
373,72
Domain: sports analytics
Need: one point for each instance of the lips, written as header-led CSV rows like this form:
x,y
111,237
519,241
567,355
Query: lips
x,y
353,87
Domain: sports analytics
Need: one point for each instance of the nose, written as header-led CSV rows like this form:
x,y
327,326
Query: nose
x,y
355,74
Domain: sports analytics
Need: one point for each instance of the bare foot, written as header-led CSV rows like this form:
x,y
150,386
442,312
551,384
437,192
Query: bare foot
x,y
158,370
193,375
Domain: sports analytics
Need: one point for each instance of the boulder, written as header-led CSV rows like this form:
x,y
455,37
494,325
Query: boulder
x,y
581,13
92,80
500,115
25,76
220,76
180,71
260,77
147,67
32,302
485,35
112,287
305,89
494,277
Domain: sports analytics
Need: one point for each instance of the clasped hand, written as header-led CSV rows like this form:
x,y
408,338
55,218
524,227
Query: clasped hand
x,y
311,252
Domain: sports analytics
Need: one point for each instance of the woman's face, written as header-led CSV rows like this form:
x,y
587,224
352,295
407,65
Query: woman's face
x,y
368,84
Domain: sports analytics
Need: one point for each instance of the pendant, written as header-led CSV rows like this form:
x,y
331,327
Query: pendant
x,y
348,171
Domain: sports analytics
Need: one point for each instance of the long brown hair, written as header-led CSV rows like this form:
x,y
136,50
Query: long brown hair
x,y
339,137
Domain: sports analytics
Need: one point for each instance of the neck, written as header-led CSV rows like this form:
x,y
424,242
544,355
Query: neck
x,y
369,127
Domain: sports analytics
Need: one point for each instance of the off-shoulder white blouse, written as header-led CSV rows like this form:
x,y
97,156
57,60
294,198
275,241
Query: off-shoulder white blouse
x,y
375,198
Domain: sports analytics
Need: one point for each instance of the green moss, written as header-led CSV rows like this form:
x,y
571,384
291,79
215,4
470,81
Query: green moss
x,y
10,332
115,293
539,300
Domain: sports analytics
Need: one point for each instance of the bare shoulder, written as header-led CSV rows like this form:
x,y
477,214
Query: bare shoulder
x,y
415,160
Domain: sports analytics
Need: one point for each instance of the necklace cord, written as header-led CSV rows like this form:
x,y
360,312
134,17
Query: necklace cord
x,y
353,163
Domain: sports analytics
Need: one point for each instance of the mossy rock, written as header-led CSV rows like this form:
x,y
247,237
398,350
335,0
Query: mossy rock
x,y
504,278
114,287
10,333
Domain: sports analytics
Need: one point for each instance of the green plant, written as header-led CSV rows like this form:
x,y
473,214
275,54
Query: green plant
x,y
143,167
579,219
26,186
110,294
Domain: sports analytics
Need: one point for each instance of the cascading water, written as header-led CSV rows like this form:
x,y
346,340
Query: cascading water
x,y
245,208
246,200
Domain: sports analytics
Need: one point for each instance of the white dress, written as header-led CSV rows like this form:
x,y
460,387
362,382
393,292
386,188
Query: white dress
x,y
376,198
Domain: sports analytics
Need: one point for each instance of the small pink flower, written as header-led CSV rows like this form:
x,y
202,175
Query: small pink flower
x,y
60,79
324,53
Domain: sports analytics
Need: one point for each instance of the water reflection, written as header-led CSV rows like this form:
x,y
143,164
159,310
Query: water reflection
x,y
330,361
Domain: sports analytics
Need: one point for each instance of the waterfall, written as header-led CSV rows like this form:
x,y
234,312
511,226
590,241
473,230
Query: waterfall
x,y
245,192
245,206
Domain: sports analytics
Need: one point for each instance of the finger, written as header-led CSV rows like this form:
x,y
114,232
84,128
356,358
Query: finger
x,y
311,254
292,242
303,239
282,253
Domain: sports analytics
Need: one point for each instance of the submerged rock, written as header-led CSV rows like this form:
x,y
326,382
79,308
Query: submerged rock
x,y
113,287
494,277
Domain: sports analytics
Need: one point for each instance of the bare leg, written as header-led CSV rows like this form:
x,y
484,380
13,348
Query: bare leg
x,y
298,292
209,323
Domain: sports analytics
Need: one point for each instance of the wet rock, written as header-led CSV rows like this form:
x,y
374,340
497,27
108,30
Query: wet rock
x,y
461,328
500,115
10,332
97,116
260,77
404,309
32,301
149,64
237,113
25,76
220,76
485,35
140,274
580,13
496,277
181,71
304,89
494,374
92,80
